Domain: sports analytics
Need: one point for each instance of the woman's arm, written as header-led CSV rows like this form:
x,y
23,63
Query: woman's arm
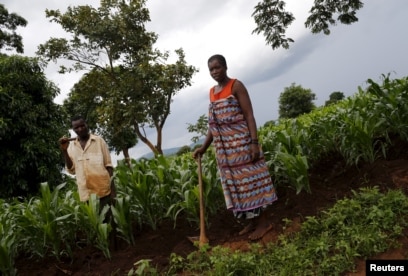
x,y
207,142
241,93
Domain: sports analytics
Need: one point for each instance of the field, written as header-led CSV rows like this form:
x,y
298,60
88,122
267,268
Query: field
x,y
341,174
157,245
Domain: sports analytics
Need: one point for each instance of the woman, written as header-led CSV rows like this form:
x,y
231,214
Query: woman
x,y
245,178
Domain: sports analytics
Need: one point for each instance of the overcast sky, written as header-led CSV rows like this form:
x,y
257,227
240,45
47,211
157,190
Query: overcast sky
x,y
377,44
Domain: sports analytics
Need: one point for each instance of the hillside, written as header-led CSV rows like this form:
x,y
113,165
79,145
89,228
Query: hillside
x,y
170,151
330,181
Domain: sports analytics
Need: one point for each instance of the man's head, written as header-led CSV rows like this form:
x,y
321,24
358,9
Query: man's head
x,y
80,127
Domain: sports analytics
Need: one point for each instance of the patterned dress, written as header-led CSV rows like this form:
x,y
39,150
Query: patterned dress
x,y
247,185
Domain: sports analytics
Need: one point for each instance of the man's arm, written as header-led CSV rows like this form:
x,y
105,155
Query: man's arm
x,y
108,165
64,143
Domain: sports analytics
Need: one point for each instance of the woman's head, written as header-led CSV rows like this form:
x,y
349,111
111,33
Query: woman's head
x,y
218,68
220,58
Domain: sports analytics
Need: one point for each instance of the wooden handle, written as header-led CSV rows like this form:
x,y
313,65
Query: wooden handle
x,y
203,235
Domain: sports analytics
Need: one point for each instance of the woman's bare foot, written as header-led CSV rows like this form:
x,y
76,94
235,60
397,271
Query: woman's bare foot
x,y
260,231
249,228
263,225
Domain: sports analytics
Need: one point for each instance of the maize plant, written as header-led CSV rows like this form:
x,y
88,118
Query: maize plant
x,y
46,224
8,240
92,221
123,219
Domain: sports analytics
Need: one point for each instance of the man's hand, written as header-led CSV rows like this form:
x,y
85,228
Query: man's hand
x,y
64,142
113,191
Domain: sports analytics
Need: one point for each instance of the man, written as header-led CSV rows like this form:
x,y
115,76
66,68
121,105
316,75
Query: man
x,y
88,157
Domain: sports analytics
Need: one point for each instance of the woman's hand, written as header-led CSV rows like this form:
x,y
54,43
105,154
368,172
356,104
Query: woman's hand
x,y
198,152
255,152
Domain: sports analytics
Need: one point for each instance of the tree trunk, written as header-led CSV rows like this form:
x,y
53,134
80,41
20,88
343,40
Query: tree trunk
x,y
155,149
127,157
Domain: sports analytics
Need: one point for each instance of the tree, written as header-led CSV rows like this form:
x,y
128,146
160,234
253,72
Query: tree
x,y
183,150
85,99
272,19
30,126
334,98
8,25
201,127
269,123
295,100
142,83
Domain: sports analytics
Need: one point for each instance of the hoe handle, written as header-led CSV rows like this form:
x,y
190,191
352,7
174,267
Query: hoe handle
x,y
203,236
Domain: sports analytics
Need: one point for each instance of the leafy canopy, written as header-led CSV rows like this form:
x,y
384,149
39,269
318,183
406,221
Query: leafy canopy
x,y
201,128
295,100
334,98
30,125
272,19
9,22
138,82
85,98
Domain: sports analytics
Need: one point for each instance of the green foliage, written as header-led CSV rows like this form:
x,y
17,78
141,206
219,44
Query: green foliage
x,y
115,29
294,101
9,22
123,219
357,227
143,187
183,150
132,83
161,187
201,128
86,98
50,225
357,128
188,192
143,267
289,162
92,219
357,141
272,19
8,239
149,191
334,98
269,123
45,225
322,14
391,104
30,126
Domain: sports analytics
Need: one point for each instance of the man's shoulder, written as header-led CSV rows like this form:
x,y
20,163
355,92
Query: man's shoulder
x,y
96,137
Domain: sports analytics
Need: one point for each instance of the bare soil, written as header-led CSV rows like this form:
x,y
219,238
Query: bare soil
x,y
330,180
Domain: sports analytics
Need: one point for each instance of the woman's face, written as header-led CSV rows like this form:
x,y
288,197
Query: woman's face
x,y
217,71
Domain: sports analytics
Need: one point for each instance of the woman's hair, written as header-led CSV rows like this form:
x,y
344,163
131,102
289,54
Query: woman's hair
x,y
220,58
